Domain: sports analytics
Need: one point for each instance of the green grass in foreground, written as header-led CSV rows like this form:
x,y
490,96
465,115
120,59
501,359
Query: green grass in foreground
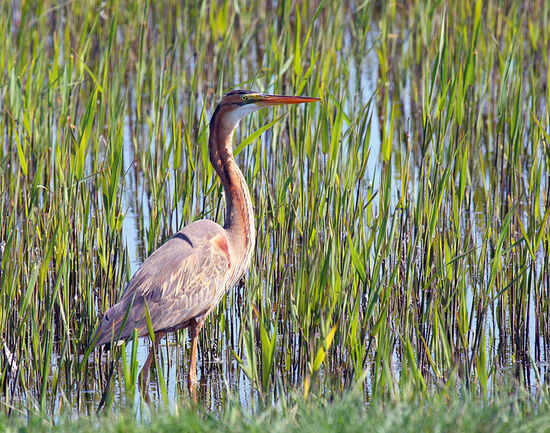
x,y
403,240
341,416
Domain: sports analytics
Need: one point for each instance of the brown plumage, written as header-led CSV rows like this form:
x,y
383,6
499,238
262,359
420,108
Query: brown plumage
x,y
183,280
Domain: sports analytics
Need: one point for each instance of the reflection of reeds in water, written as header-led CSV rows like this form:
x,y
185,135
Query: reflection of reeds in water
x,y
402,224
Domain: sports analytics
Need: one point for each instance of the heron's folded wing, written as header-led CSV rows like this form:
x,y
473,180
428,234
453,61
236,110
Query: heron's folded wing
x,y
179,281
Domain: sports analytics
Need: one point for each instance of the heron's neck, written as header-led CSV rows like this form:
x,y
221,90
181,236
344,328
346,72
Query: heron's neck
x,y
239,215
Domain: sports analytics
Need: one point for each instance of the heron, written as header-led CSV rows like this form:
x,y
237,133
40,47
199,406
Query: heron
x,y
181,282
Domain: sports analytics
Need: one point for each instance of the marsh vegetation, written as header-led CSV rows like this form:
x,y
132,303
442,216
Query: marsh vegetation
x,y
402,223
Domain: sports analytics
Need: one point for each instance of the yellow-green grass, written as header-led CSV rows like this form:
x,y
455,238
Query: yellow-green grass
x,y
402,243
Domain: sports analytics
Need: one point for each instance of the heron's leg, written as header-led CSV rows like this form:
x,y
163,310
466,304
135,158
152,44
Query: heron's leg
x,y
194,330
143,378
194,334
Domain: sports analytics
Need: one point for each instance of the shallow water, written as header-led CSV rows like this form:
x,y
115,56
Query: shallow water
x,y
283,291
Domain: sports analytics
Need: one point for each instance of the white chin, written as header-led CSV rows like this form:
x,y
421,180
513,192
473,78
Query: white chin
x,y
231,120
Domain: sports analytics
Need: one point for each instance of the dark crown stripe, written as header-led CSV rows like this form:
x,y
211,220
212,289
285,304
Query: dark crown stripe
x,y
238,92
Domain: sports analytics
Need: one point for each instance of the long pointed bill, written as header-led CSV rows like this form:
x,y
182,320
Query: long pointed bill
x,y
266,100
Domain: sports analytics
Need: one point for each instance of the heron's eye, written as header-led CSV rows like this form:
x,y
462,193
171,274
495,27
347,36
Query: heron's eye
x,y
244,98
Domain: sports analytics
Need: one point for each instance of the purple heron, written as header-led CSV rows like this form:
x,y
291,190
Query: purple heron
x,y
183,280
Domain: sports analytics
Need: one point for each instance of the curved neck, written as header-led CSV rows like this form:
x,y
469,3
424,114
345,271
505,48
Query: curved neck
x,y
239,215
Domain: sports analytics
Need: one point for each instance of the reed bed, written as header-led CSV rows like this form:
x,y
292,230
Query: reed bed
x,y
402,244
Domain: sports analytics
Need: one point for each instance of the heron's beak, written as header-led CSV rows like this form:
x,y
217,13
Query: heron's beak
x,y
267,100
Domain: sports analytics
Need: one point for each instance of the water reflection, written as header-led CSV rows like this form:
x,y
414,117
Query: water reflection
x,y
280,286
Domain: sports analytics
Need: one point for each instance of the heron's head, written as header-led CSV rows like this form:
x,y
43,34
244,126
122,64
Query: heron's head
x,y
239,103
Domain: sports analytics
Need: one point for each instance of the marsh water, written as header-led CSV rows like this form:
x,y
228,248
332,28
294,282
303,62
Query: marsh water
x,y
402,241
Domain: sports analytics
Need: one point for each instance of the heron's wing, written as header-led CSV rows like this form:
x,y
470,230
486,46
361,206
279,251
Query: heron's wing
x,y
181,280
